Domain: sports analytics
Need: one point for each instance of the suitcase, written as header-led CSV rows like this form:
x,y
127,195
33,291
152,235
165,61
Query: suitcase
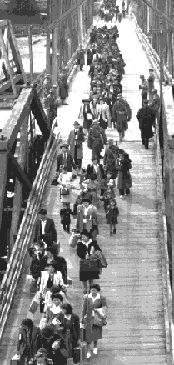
x,y
80,353
15,360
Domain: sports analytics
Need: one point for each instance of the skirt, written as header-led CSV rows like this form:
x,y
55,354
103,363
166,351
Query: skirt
x,y
85,275
93,333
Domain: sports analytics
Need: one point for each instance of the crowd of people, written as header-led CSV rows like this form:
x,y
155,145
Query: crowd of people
x,y
62,334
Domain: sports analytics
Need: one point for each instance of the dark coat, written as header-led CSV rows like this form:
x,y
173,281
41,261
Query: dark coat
x,y
22,348
65,214
111,215
74,328
63,87
91,171
59,356
82,252
37,265
111,159
69,163
89,57
96,139
80,140
146,117
124,177
50,235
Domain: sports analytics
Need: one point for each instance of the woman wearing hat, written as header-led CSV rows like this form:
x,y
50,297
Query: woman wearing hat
x,y
103,114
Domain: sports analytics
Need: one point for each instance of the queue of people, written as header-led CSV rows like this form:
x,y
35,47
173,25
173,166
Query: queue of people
x,y
62,334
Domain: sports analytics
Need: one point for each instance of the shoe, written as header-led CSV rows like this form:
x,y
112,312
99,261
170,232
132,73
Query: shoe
x,y
95,350
88,355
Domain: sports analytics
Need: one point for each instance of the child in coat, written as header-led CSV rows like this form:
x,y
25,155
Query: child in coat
x,y
111,216
65,214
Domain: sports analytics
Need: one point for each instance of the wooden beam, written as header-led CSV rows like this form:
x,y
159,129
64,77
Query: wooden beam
x,y
6,85
30,51
54,56
8,64
17,200
20,110
16,52
21,176
3,180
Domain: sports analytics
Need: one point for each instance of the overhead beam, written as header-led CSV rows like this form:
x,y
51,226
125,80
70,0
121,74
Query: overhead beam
x,y
21,176
64,15
20,110
159,12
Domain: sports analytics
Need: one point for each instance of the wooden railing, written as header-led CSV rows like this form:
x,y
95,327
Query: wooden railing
x,y
164,195
25,232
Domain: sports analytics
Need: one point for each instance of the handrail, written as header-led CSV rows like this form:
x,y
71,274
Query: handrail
x,y
25,232
153,55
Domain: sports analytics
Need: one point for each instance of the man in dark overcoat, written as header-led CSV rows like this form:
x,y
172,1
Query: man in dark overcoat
x,y
75,143
63,86
145,117
89,56
65,159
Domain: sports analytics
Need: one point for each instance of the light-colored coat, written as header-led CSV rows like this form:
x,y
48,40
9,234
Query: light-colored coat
x,y
57,280
104,111
92,219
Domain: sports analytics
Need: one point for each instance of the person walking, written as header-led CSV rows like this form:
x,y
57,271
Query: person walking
x,y
151,82
94,316
89,266
81,57
146,117
96,140
124,182
144,87
112,213
75,143
70,330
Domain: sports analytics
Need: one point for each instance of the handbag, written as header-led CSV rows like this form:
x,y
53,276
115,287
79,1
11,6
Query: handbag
x,y
90,264
64,191
35,303
99,320
80,353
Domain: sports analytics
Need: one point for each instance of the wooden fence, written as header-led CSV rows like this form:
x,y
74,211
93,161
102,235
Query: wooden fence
x,y
25,232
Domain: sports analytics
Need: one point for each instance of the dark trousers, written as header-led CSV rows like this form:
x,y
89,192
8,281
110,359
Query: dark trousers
x,y
122,191
78,163
145,142
144,97
66,227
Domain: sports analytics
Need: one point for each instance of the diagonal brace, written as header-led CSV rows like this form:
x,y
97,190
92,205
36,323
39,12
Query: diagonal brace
x,y
22,177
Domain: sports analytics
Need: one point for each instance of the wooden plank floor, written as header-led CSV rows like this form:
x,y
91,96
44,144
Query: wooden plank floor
x,y
132,282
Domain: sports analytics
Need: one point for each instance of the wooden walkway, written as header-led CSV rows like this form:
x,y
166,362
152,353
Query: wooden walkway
x,y
132,282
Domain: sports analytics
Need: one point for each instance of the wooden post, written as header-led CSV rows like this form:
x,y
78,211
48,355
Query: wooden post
x,y
8,64
30,52
48,38
17,201
54,56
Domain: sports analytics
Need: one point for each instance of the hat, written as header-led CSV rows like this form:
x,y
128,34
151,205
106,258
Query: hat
x,y
150,69
64,145
41,353
95,121
110,141
86,200
76,123
141,76
145,101
85,100
120,94
154,91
